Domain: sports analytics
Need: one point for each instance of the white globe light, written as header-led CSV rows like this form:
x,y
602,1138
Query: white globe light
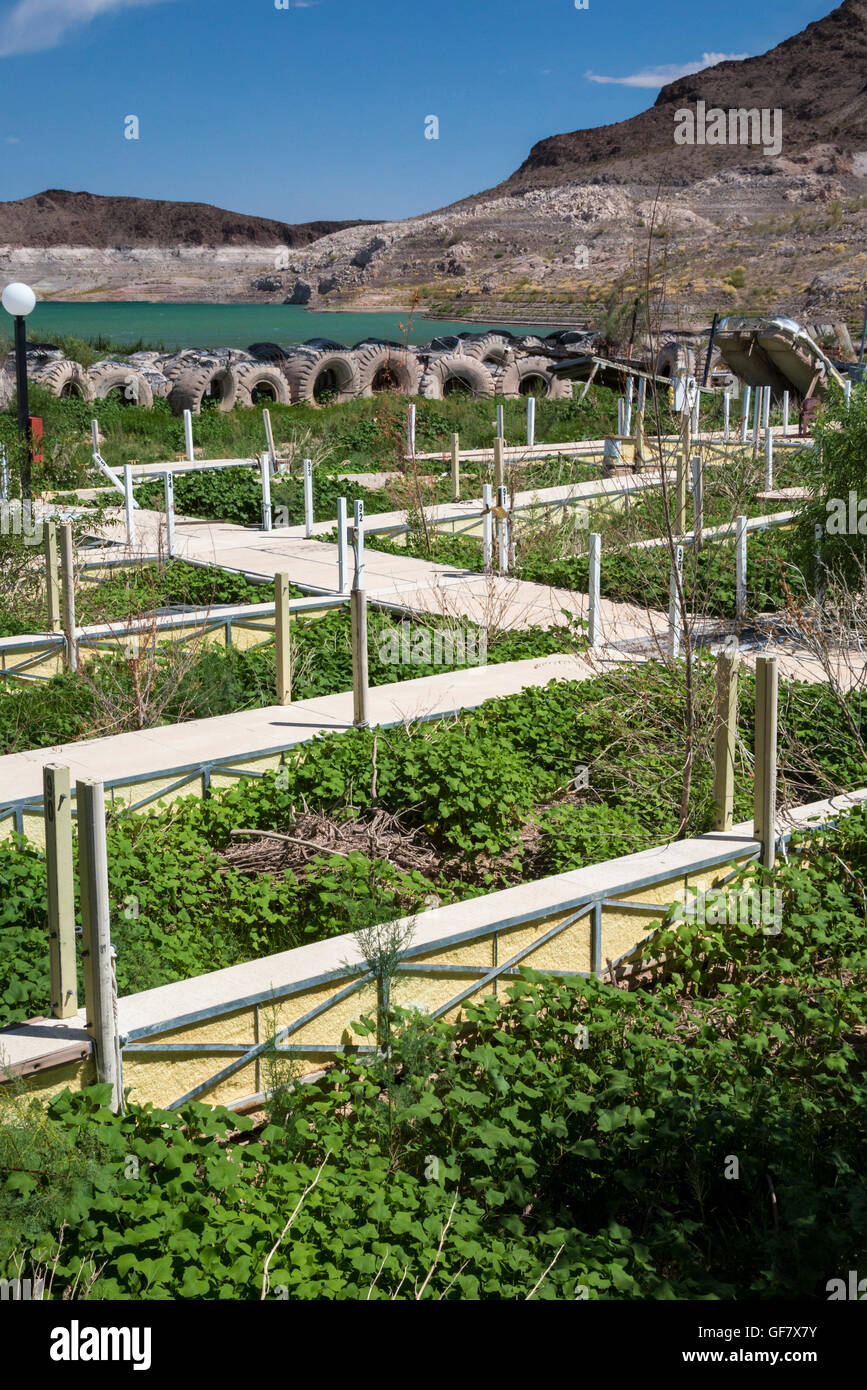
x,y
19,300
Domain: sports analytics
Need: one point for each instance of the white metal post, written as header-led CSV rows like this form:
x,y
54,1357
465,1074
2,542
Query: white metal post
x,y
188,435
67,568
267,516
269,439
727,414
593,589
456,468
308,498
740,567
487,528
757,418
785,412
342,546
501,426
96,934
129,503
4,474
169,486
531,421
674,623
627,413
745,417
503,529
358,541
410,432
698,495
52,578
642,394
358,625
769,459
696,413
766,410
620,414
847,387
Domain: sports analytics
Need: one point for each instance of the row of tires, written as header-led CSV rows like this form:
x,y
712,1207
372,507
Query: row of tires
x,y
481,365
490,365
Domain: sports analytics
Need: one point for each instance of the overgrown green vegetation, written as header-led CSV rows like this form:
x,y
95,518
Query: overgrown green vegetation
x,y
569,1141
492,795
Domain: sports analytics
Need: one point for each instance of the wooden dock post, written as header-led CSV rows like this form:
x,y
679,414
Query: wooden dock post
x,y
765,798
57,801
456,468
593,589
725,739
67,566
499,462
96,935
282,635
358,624
52,578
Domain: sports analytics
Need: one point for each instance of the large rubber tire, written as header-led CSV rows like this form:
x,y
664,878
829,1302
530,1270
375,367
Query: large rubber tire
x,y
253,377
673,359
131,386
494,349
535,373
65,379
382,369
507,381
453,371
309,373
191,388
268,352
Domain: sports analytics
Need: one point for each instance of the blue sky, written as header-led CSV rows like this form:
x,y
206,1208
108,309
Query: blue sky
x,y
318,110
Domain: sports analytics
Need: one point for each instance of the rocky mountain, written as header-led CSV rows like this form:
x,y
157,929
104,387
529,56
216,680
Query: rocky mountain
x,y
60,218
817,79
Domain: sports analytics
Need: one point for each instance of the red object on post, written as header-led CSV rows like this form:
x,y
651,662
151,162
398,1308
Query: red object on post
x,y
37,452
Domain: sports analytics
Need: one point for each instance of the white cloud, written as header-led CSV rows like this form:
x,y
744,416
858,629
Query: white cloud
x,y
668,72
12,140
32,25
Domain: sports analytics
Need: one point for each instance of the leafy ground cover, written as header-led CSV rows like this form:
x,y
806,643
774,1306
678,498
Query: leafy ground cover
x,y
688,1137
168,684
488,799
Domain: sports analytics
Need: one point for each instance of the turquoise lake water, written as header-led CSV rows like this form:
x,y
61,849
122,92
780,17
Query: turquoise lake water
x,y
228,325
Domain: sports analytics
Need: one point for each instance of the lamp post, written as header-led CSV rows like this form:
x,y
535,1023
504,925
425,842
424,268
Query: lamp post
x,y
19,301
